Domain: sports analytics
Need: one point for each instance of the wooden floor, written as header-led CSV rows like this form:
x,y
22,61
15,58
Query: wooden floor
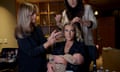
x,y
109,59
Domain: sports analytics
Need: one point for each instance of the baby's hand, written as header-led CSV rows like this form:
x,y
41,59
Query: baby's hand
x,y
59,59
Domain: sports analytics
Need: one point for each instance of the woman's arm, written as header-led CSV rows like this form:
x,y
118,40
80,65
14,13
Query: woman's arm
x,y
58,18
89,17
61,19
74,59
26,44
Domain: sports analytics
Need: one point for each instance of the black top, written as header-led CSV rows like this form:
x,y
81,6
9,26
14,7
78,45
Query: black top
x,y
75,48
31,53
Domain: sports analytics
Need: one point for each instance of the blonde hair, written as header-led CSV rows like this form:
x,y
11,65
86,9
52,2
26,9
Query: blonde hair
x,y
24,19
73,25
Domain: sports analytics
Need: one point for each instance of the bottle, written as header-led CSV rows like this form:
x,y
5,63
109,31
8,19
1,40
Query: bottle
x,y
107,70
113,71
9,55
94,68
100,69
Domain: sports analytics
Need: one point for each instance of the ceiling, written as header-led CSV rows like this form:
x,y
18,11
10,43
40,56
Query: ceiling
x,y
106,4
105,7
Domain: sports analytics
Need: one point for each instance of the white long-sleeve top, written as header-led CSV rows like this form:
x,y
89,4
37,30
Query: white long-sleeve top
x,y
87,32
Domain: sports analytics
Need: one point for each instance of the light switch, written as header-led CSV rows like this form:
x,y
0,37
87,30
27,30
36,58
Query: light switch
x,y
5,41
0,41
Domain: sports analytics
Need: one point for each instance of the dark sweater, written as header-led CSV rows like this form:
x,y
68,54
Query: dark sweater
x,y
31,53
75,48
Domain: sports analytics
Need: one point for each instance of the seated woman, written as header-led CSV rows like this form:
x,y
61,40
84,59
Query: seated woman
x,y
67,55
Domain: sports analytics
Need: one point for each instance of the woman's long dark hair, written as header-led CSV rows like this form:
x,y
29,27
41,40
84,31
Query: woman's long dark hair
x,y
73,12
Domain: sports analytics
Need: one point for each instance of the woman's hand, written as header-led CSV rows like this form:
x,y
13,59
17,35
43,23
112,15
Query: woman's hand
x,y
76,19
52,38
86,23
79,20
55,35
58,18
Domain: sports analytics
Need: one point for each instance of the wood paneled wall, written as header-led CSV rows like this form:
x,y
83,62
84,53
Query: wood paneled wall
x,y
104,35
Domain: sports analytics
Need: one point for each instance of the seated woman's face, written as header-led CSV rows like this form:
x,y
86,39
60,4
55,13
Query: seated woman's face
x,y
72,3
69,32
